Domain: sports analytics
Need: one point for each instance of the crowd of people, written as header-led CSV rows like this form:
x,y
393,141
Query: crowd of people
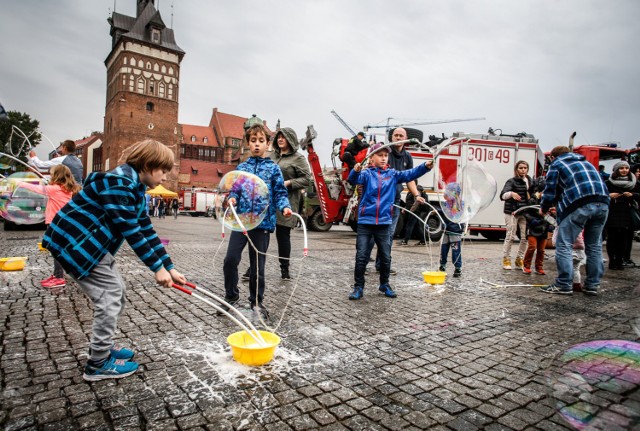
x,y
86,225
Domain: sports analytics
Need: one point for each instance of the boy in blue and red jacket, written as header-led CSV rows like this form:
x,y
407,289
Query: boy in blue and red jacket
x,y
375,213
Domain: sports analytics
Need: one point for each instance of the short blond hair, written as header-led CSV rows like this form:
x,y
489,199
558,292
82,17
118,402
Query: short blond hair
x,y
149,155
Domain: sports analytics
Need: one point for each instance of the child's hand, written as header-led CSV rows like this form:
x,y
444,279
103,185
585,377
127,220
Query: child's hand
x,y
163,278
177,277
286,212
357,167
231,201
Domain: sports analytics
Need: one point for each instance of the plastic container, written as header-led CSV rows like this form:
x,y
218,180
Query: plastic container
x,y
12,263
164,241
434,277
41,248
246,351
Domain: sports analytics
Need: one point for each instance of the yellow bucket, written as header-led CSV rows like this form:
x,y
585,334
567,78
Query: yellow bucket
x,y
246,351
12,263
434,277
41,248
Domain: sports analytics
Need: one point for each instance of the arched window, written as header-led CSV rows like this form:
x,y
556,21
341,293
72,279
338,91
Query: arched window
x,y
152,87
171,71
140,64
150,106
124,61
161,89
124,81
149,65
193,138
140,85
156,67
163,69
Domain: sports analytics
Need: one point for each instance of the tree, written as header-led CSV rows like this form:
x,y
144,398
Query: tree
x,y
12,140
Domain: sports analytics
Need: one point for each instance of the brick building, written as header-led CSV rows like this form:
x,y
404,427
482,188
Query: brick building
x,y
143,77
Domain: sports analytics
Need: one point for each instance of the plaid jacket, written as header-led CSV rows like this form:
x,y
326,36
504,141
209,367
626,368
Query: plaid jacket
x,y
109,209
572,182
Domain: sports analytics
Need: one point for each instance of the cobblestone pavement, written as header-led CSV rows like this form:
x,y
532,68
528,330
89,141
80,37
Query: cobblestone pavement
x,y
463,356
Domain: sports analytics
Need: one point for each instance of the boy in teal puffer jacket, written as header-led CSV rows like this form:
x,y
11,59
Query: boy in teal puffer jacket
x,y
258,138
375,213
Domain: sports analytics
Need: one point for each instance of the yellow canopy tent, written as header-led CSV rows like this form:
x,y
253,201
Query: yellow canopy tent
x,y
162,192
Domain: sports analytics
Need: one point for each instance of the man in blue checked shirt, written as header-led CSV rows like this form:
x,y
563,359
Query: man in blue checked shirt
x,y
575,188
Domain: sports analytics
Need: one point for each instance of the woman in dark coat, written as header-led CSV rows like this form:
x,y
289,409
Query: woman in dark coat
x,y
297,176
621,185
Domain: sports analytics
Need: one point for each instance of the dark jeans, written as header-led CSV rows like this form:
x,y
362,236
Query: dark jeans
x,y
618,240
237,242
283,236
379,234
392,230
456,253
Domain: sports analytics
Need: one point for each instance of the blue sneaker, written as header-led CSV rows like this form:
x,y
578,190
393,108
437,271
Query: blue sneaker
x,y
121,353
111,369
387,290
358,292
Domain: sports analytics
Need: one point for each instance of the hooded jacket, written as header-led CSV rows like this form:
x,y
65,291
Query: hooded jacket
x,y
378,195
269,172
109,209
295,169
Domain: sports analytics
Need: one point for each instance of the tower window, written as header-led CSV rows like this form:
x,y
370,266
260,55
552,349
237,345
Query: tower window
x,y
140,64
155,35
156,68
149,106
124,61
149,65
151,87
170,94
171,71
163,69
131,82
124,80
140,85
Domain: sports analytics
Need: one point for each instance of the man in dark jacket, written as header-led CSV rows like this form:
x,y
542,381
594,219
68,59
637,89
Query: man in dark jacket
x,y
355,145
581,198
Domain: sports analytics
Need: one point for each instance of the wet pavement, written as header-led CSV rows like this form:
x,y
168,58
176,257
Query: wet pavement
x,y
463,356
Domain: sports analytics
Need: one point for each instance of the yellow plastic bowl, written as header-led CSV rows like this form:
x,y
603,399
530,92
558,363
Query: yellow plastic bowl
x,y
12,263
246,351
434,277
41,248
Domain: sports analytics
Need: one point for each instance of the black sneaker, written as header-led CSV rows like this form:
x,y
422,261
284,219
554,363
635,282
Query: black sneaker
x,y
591,290
442,268
421,243
246,276
457,272
404,242
285,274
232,302
628,263
555,289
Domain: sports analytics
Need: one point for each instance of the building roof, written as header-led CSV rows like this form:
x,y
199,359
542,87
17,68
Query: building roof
x,y
200,132
123,26
229,125
86,141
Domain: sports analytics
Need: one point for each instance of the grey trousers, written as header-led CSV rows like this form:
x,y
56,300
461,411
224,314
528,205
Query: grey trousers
x,y
105,288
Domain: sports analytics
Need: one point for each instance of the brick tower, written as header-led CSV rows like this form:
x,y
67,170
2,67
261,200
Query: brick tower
x,y
143,75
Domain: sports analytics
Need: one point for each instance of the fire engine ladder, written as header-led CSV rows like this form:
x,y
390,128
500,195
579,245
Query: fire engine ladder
x,y
346,126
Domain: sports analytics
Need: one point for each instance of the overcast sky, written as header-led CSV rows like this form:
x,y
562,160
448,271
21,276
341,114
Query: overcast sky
x,y
539,66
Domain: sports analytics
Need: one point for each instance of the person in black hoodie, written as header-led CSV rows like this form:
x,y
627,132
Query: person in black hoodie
x,y
627,262
515,195
621,185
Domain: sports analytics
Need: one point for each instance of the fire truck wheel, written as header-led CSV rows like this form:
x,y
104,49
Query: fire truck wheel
x,y
316,222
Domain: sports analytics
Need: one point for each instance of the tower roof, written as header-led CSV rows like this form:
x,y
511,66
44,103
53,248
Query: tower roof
x,y
139,28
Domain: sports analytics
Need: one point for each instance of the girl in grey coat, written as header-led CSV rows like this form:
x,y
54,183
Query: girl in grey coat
x,y
297,176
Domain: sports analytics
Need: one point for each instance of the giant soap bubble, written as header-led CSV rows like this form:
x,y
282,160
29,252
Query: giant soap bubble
x,y
595,385
465,195
22,198
252,200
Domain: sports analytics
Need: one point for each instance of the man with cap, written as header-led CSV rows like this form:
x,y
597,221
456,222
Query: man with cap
x,y
581,198
355,145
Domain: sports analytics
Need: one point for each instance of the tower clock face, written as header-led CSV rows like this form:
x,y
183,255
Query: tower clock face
x,y
150,126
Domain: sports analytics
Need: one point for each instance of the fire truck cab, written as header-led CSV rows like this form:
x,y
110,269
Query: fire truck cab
x,y
197,202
